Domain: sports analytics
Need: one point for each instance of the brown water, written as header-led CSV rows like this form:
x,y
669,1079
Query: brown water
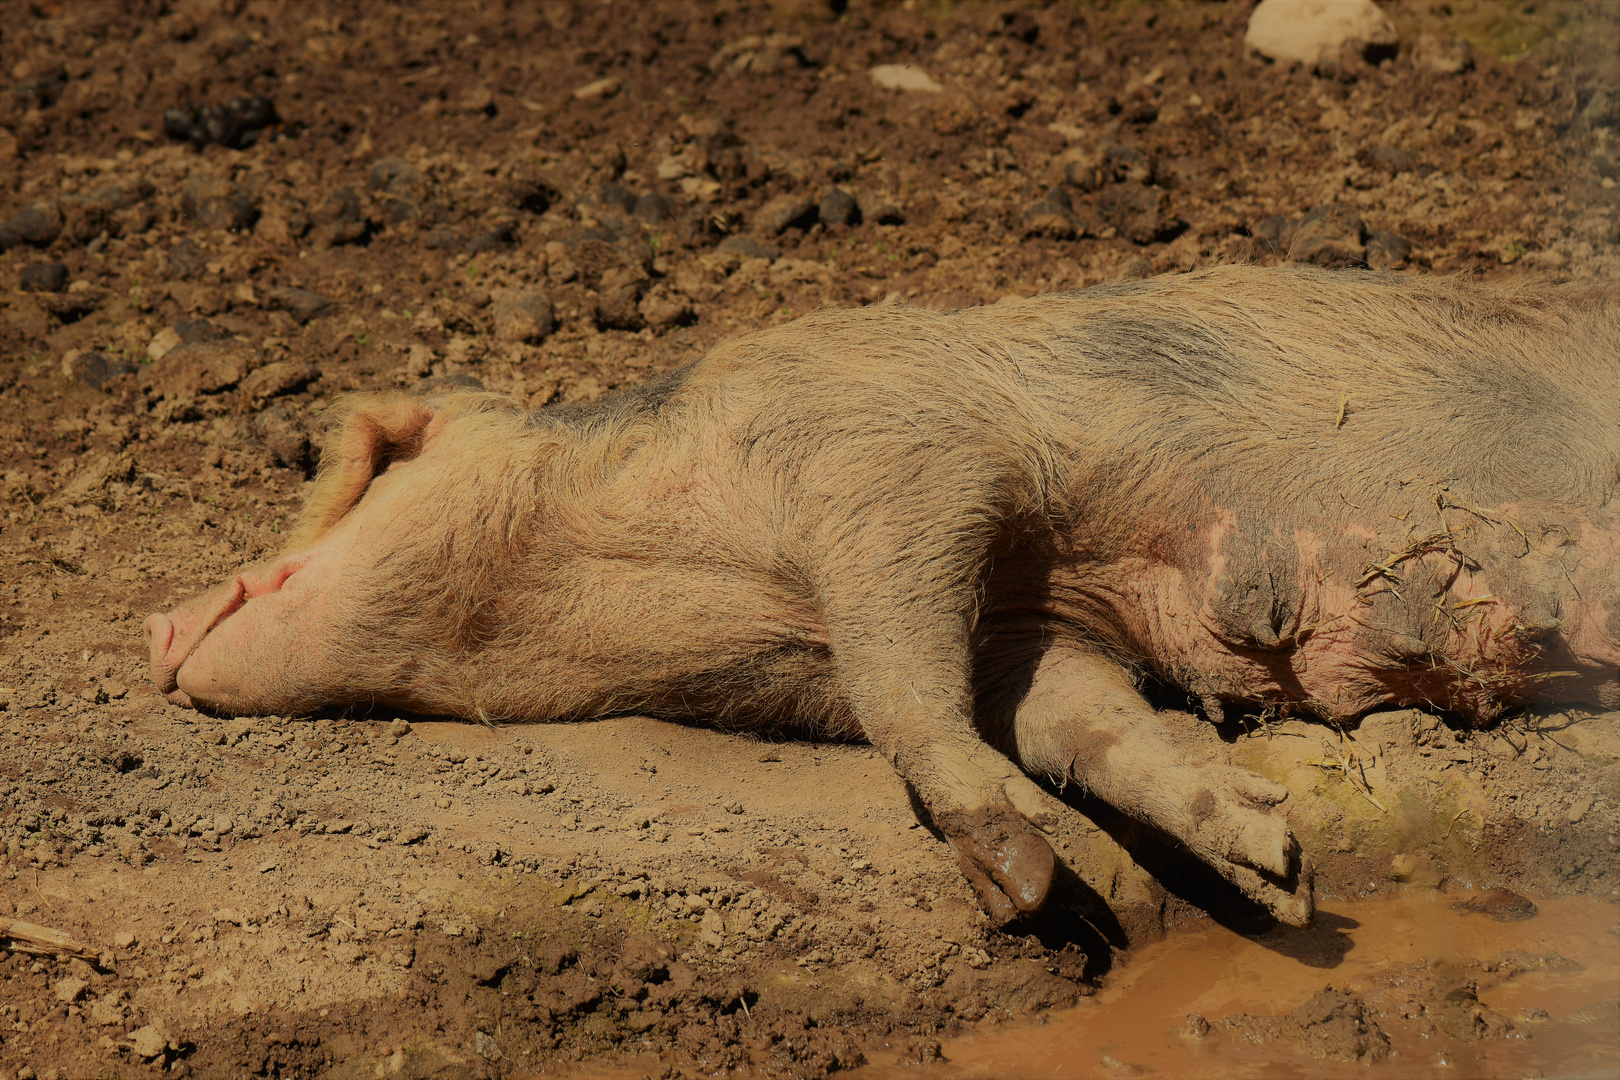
x,y
1377,948
1133,1026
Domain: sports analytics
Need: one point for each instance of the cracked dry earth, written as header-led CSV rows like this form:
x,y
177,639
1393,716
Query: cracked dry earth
x,y
566,198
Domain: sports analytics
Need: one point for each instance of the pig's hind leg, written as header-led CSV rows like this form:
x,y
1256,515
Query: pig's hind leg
x,y
1081,720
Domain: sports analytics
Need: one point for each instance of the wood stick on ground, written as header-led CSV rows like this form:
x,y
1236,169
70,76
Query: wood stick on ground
x,y
25,937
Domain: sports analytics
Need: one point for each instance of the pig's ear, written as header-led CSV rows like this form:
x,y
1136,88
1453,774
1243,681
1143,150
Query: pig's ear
x,y
366,434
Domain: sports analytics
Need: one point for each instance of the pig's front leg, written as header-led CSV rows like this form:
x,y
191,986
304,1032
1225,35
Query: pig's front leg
x,y
1082,720
911,692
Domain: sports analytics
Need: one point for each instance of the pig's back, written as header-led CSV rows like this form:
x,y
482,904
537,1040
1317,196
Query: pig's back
x,y
1333,382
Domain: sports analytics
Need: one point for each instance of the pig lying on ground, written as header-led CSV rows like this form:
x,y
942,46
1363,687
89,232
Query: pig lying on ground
x,y
965,535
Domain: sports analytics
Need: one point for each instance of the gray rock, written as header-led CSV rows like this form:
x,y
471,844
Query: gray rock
x,y
784,211
1386,250
1141,214
1052,216
39,225
44,277
838,207
301,304
749,248
213,203
1274,235
655,210
1329,236
95,370
617,196
524,315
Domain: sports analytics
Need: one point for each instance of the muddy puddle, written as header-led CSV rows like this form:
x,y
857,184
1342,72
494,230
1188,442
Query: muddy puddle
x,y
1546,990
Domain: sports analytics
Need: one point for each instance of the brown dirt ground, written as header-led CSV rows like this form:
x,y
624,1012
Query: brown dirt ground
x,y
343,896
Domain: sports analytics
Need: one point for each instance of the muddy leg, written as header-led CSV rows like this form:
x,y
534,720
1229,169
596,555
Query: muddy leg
x,y
992,814
1082,720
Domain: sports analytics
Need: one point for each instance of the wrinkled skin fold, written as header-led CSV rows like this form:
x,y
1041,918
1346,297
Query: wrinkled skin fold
x,y
965,535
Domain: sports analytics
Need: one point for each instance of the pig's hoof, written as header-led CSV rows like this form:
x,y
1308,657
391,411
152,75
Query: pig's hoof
x,y
1006,860
1232,827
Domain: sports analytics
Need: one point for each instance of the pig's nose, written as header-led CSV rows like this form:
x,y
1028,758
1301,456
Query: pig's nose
x,y
159,636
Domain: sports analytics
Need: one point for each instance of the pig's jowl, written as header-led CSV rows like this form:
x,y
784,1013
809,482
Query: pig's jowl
x,y
965,536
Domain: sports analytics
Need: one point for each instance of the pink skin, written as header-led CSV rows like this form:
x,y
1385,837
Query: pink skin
x,y
236,644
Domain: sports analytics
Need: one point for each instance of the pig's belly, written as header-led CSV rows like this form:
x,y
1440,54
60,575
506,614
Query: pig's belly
x,y
1343,636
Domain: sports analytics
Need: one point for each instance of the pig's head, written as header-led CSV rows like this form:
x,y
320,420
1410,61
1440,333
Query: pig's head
x,y
415,517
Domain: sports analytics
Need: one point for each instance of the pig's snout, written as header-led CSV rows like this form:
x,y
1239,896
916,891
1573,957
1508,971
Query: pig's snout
x,y
159,630
174,638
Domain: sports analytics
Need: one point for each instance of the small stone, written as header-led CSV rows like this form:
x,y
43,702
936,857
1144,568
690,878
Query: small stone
x,y
44,277
879,209
733,807
200,367
487,1047
1392,159
663,308
1052,216
524,315
94,369
1579,808
1312,31
148,1041
267,866
655,210
302,304
904,77
748,248
1443,55
1141,214
838,207
393,174
339,220
69,989
213,203
281,377
1329,236
1503,905
399,727
38,225
108,1009
124,939
597,90
1402,867
1386,251
784,211
223,825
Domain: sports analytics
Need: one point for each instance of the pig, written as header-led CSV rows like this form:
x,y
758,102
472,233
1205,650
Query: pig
x,y
969,536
